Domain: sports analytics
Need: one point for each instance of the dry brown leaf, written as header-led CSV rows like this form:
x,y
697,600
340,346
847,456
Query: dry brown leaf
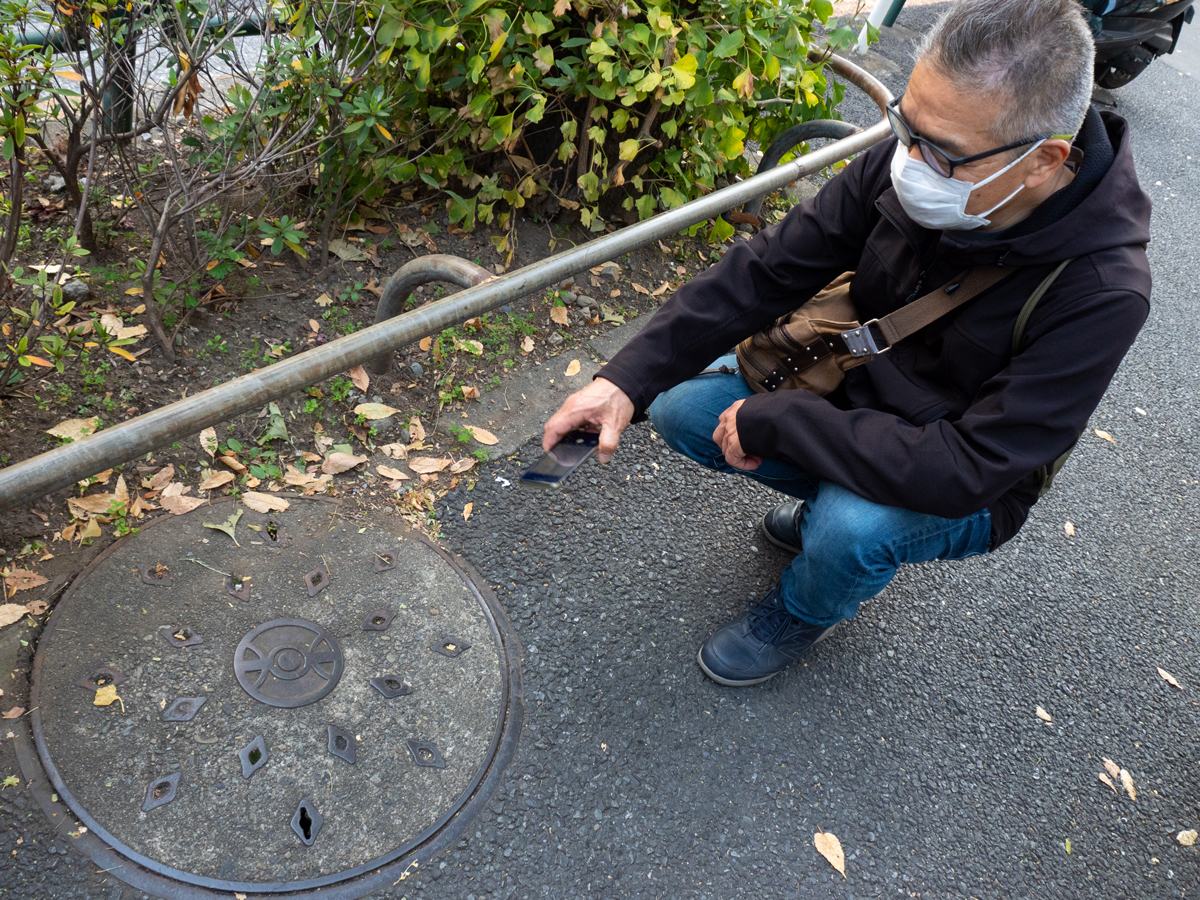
x,y
358,375
395,451
337,463
121,491
463,465
92,530
830,847
527,344
1104,778
234,464
68,533
483,436
136,510
208,441
641,290
470,392
175,503
1127,783
324,300
98,478
661,289
11,612
1069,529
1187,838
1168,678
374,411
572,368
161,478
467,511
309,456
23,580
237,896
75,429
264,502
81,507
36,607
416,430
1043,715
427,465
1105,435
389,472
215,480
1111,767
15,713
558,315
425,343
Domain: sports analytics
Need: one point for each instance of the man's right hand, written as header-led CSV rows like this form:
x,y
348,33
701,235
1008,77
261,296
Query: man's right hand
x,y
600,405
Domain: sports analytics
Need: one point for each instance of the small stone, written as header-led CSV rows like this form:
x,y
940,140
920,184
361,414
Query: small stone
x,y
556,339
611,271
506,309
584,301
569,297
404,436
76,291
417,369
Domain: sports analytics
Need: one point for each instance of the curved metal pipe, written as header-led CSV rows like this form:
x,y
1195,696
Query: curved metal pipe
x,y
857,76
797,134
63,466
411,275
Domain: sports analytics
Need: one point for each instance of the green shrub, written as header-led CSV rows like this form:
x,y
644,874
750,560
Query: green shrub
x,y
604,105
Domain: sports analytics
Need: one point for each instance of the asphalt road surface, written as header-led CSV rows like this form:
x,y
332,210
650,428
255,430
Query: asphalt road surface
x,y
912,734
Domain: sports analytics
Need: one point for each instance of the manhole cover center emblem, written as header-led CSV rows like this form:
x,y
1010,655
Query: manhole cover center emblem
x,y
288,663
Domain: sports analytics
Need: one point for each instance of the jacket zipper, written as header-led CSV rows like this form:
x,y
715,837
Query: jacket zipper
x,y
916,291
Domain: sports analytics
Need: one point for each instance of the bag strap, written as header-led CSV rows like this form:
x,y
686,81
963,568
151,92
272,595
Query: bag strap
x,y
1032,302
912,317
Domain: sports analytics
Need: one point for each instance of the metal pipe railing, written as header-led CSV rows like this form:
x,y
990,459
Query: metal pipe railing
x,y
66,465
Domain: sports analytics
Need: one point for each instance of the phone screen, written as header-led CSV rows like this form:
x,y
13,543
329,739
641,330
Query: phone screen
x,y
564,458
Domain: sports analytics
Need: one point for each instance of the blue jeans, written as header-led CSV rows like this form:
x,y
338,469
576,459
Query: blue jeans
x,y
852,547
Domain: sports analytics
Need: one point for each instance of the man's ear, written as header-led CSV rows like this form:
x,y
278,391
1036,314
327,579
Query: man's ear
x,y
1047,160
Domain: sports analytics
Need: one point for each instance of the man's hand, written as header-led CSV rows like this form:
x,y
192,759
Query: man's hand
x,y
602,405
726,437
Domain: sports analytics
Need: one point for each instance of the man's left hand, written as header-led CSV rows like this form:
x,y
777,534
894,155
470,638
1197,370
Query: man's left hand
x,y
726,437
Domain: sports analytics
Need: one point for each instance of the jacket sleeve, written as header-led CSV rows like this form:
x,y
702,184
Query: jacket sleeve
x,y
755,283
1023,418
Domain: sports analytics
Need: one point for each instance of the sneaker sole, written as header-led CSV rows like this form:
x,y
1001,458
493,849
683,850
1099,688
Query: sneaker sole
x,y
750,682
782,545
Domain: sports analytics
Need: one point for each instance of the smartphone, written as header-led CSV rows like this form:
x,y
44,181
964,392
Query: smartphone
x,y
564,458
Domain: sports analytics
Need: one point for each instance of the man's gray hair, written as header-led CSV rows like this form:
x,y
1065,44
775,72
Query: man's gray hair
x,y
1038,55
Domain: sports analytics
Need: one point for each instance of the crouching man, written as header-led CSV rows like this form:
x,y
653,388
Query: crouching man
x,y
938,447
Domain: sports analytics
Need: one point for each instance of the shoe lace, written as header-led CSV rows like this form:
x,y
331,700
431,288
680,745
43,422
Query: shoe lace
x,y
768,619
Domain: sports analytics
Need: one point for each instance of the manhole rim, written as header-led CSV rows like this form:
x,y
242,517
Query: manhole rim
x,y
102,846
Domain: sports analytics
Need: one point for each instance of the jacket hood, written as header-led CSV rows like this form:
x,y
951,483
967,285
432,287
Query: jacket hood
x,y
1115,214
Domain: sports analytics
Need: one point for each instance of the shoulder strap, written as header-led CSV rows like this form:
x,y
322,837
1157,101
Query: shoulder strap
x,y
1032,302
914,316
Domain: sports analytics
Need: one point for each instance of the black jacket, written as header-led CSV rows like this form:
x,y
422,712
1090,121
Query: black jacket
x,y
949,421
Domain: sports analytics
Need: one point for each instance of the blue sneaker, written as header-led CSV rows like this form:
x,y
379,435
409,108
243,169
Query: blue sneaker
x,y
781,526
758,644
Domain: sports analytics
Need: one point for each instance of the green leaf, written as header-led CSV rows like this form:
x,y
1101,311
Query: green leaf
x,y
730,44
227,526
822,8
731,144
629,149
685,71
721,231
276,429
646,206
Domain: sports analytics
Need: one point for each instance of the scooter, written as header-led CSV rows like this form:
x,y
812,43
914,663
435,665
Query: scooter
x,y
1130,34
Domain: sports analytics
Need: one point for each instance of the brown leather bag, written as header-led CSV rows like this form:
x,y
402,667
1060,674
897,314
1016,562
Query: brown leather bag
x,y
814,346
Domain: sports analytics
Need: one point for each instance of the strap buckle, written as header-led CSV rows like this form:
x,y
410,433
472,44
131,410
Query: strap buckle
x,y
860,342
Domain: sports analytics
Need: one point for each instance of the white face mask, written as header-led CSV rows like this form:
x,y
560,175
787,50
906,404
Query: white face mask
x,y
938,202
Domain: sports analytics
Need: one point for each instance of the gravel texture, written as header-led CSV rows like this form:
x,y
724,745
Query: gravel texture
x,y
911,735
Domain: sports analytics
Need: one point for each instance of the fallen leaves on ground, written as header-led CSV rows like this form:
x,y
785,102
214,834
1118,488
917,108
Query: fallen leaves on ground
x,y
232,462
346,251
92,530
10,613
98,478
467,511
558,315
572,368
641,290
475,348
36,608
208,441
416,430
339,462
1106,780
1105,435
75,429
1069,529
425,343
1127,783
262,503
82,507
1111,767
527,344
23,580
830,847
427,465
395,451
227,526
1043,715
482,435
470,392
1187,838
324,300
216,480
1168,678
15,713
175,503
389,472
462,465
160,479
360,379
374,411
107,696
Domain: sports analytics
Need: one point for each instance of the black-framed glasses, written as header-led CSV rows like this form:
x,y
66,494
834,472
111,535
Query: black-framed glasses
x,y
937,158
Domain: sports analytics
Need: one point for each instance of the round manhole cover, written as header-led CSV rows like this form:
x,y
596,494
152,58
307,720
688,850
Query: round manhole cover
x,y
306,706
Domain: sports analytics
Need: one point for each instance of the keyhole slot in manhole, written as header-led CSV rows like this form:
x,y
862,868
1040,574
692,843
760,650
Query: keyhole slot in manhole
x,y
255,756
378,620
341,745
306,823
425,754
184,708
340,742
